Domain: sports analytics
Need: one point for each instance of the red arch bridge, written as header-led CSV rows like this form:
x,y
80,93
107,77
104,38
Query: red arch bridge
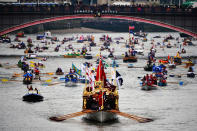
x,y
52,19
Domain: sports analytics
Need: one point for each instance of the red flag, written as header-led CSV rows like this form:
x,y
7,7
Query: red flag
x,y
100,75
168,57
131,27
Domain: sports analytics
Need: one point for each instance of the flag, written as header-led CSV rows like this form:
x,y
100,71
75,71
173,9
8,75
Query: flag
x,y
90,76
76,69
100,75
117,77
131,28
83,68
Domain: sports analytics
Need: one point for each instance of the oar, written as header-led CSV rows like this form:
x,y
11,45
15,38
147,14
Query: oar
x,y
180,83
4,80
68,116
55,83
134,67
17,75
49,73
134,117
8,67
7,80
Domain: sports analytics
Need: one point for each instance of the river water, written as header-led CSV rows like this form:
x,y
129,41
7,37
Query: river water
x,y
173,107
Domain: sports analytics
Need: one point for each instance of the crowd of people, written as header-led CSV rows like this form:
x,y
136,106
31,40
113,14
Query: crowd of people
x,y
67,8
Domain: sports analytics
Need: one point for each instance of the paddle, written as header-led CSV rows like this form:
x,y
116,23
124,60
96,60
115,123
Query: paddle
x,y
49,73
7,80
135,67
55,83
134,117
17,75
68,116
49,80
4,80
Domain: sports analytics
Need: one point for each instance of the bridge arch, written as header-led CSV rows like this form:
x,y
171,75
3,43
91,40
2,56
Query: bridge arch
x,y
28,24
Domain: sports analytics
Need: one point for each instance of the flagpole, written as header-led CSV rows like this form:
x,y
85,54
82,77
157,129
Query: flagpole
x,y
129,36
85,79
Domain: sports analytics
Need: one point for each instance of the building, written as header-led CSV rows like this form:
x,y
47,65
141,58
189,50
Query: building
x,y
128,2
45,1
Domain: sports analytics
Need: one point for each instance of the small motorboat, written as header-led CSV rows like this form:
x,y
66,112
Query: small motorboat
x,y
88,56
191,74
139,50
130,59
71,77
171,66
189,63
33,97
177,61
31,56
40,37
47,34
169,46
130,65
158,36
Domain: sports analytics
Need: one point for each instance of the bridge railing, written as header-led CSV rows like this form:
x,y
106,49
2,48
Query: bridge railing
x,y
84,9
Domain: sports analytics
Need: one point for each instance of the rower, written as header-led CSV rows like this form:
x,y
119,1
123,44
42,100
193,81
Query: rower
x,y
126,54
190,69
36,90
30,88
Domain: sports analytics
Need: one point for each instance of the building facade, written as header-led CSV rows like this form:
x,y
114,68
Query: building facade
x,y
44,1
128,2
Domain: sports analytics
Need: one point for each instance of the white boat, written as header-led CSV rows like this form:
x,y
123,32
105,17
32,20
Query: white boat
x,y
101,116
139,50
47,34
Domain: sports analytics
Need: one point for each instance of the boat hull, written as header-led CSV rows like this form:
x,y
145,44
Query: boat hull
x,y
130,59
190,74
32,97
101,116
148,88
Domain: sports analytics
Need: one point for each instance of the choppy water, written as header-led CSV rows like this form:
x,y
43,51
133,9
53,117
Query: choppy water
x,y
173,108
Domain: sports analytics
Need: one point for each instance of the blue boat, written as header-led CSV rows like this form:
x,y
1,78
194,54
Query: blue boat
x,y
40,37
130,65
71,77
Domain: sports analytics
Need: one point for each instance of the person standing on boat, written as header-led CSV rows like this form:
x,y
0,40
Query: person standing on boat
x,y
126,54
36,90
